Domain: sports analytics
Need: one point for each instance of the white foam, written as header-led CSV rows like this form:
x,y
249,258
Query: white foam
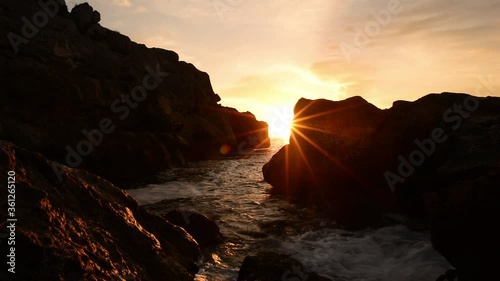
x,y
388,254
166,191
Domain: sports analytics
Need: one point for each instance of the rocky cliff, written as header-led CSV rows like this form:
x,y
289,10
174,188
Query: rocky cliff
x,y
435,159
89,97
83,228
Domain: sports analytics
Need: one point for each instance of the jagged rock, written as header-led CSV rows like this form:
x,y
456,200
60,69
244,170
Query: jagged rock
x,y
268,266
85,228
203,229
76,74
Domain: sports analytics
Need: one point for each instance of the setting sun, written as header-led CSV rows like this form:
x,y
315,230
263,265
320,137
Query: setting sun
x,y
280,121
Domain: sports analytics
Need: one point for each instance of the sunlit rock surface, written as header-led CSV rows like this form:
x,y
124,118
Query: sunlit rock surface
x,y
85,228
203,229
72,74
435,159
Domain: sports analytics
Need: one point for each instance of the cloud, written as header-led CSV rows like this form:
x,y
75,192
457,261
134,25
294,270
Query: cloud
x,y
276,51
280,85
357,79
430,46
140,10
122,3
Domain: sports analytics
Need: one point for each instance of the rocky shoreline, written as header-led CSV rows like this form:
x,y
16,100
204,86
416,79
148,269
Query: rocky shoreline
x,y
85,109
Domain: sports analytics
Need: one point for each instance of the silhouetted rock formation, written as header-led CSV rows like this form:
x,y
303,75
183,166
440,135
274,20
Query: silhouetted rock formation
x,y
347,157
266,266
328,161
143,110
204,230
85,228
248,133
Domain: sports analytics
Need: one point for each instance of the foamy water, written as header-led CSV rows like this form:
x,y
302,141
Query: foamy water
x,y
234,194
390,254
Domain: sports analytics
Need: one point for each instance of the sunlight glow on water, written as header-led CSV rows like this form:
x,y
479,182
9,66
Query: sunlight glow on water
x,y
233,193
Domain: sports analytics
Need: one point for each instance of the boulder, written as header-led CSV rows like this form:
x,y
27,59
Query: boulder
x,y
267,266
204,230
85,228
356,161
434,159
83,15
326,162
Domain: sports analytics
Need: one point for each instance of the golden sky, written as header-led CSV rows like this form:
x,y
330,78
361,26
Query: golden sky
x,y
262,56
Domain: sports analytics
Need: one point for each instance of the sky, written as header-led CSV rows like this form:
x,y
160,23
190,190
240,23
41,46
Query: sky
x,y
262,56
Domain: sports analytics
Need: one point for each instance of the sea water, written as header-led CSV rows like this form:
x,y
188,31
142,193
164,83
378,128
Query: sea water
x,y
234,194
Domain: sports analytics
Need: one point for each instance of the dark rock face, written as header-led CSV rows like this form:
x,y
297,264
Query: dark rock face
x,y
271,267
83,15
86,229
328,142
249,134
203,229
143,109
438,154
461,218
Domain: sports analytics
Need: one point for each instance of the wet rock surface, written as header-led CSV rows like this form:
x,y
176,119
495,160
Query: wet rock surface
x,y
85,228
204,230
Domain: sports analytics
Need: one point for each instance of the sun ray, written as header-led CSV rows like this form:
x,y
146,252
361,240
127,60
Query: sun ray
x,y
299,119
306,161
378,195
287,168
323,151
306,127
